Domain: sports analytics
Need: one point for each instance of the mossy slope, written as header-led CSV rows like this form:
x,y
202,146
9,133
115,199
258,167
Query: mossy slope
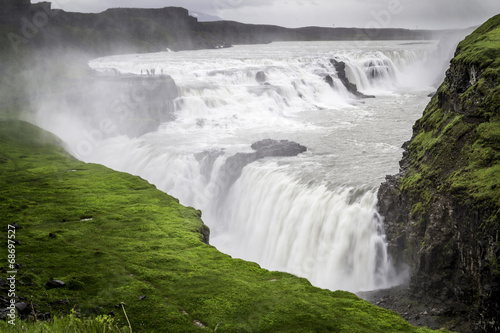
x,y
112,237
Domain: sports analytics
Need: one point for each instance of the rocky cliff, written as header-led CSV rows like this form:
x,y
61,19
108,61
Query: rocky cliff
x,y
442,211
133,30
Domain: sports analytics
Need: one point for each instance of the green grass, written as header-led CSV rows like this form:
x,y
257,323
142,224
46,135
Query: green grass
x,y
118,238
482,46
69,324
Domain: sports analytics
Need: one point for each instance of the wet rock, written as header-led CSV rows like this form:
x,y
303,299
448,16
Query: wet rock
x,y
351,87
270,147
53,284
198,323
232,168
329,80
22,307
235,164
205,233
265,148
261,77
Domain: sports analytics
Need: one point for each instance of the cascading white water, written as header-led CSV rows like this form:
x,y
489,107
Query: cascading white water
x,y
331,237
313,215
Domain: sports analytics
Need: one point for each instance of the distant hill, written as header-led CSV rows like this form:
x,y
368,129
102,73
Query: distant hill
x,y
133,30
202,17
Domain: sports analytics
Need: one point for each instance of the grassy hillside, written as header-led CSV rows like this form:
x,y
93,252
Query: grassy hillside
x,y
113,238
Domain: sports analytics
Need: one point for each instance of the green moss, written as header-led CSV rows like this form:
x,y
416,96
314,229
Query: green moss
x,y
481,47
456,144
418,208
112,238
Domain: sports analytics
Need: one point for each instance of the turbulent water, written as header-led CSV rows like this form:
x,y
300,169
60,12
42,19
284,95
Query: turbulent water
x,y
313,215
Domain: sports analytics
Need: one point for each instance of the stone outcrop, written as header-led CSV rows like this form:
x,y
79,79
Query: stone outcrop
x,y
53,284
234,164
260,77
270,147
442,211
351,87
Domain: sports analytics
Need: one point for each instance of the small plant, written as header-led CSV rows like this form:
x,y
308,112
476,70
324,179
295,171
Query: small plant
x,y
125,313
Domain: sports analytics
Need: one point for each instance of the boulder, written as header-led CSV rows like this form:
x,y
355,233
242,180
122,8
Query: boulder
x,y
261,77
270,147
52,284
22,307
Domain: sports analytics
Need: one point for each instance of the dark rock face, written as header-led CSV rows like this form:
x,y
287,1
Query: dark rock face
x,y
441,210
234,165
351,87
205,233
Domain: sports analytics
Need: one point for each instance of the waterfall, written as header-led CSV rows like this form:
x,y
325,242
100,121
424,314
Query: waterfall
x,y
313,215
333,238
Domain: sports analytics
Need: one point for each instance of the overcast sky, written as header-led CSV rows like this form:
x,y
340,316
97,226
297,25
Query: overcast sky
x,y
423,14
